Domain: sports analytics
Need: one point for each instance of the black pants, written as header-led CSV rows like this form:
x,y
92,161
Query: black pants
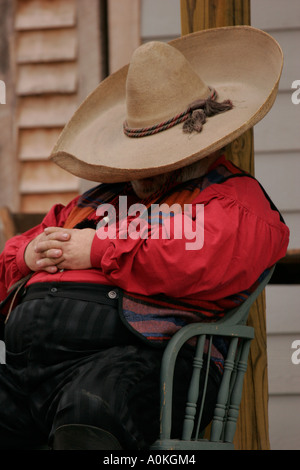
x,y
71,360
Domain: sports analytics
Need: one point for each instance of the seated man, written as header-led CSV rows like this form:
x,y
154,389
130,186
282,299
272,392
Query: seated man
x,y
105,289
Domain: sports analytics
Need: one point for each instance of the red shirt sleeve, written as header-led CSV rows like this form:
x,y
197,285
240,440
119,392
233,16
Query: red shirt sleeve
x,y
239,243
12,264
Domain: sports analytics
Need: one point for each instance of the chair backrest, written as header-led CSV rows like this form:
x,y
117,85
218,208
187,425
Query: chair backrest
x,y
223,425
239,315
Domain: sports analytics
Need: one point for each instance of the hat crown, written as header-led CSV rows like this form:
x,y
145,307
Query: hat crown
x,y
161,83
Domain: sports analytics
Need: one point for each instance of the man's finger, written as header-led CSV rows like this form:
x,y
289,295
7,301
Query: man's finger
x,y
52,254
44,246
45,263
57,233
51,269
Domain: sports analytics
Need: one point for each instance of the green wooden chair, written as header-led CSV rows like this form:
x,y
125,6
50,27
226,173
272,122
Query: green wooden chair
x,y
223,426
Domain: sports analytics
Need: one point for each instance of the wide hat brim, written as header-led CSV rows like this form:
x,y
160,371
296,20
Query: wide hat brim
x,y
242,63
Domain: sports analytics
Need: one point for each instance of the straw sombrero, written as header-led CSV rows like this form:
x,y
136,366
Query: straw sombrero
x,y
128,127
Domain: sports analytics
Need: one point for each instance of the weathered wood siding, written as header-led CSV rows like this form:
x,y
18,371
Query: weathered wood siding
x,y
277,163
54,62
46,93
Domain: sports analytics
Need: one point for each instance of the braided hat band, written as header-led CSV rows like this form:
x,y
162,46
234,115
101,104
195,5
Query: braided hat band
x,y
193,117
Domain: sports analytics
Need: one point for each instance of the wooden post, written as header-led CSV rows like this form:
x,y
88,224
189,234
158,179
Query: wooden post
x,y
252,430
9,177
124,28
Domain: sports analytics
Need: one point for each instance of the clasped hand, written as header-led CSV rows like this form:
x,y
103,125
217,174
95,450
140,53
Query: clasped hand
x,y
58,248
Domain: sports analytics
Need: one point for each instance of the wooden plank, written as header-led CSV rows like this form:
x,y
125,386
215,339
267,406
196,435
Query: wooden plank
x,y
253,425
46,111
46,46
204,14
284,375
124,31
90,66
9,167
45,177
292,219
284,422
283,309
43,202
279,130
7,225
275,14
47,78
160,19
283,185
24,222
37,144
42,14
92,61
287,40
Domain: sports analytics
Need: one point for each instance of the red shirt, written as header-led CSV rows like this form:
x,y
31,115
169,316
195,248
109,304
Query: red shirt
x,y
242,237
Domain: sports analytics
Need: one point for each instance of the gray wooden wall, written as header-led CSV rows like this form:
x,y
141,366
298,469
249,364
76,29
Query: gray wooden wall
x,y
277,163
